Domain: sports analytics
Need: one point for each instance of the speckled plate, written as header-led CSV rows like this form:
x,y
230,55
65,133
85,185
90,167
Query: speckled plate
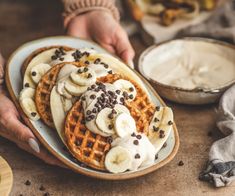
x,y
50,139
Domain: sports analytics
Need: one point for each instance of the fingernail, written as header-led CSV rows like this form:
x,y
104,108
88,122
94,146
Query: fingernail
x,y
131,64
34,145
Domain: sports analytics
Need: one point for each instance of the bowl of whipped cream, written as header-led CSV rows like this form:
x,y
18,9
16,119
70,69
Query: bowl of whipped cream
x,y
190,70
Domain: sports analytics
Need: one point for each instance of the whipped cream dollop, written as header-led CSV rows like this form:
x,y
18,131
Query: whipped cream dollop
x,y
140,148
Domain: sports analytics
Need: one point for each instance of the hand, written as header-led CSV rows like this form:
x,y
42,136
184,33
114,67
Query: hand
x,y
101,27
12,128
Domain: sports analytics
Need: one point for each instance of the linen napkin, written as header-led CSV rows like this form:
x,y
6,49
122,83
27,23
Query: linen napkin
x,y
221,25
220,169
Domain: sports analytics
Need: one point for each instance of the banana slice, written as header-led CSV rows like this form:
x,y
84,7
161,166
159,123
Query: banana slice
x,y
104,122
29,108
27,93
105,118
118,160
60,87
38,71
100,69
74,89
27,103
84,76
66,70
160,127
124,125
126,86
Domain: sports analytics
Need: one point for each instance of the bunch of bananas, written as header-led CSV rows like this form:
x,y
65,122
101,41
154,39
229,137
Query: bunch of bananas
x,y
170,10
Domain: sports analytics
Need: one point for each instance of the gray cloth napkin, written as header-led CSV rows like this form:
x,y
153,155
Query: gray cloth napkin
x,y
221,166
221,25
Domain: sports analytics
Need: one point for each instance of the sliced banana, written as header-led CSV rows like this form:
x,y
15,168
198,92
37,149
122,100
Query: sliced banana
x,y
60,87
27,93
104,122
124,125
29,108
38,71
160,127
126,86
118,160
105,118
66,70
84,76
100,69
74,89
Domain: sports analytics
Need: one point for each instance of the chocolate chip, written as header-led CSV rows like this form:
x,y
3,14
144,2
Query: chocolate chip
x,y
164,145
26,85
105,65
94,110
42,188
85,69
33,114
89,75
61,59
109,140
114,111
181,163
125,94
97,61
131,96
93,86
162,134
170,123
136,142
156,119
34,73
87,62
92,117
122,99
27,183
89,144
53,57
79,71
158,108
156,156
137,156
133,134
110,126
131,89
88,112
92,96
155,128
83,98
110,72
138,137
118,92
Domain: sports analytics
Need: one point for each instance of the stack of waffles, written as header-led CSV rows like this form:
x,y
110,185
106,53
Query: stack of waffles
x,y
99,108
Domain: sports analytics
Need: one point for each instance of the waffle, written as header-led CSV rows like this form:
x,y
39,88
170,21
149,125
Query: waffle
x,y
90,148
37,52
43,91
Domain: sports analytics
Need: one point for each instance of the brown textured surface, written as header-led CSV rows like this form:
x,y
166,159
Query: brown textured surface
x,y
20,24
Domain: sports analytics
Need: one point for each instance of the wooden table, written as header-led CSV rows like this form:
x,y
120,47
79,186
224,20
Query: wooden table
x,y
25,20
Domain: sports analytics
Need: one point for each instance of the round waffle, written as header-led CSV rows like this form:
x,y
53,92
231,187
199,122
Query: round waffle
x,y
90,148
43,91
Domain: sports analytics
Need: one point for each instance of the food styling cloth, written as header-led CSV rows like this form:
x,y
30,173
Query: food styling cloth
x,y
220,169
221,25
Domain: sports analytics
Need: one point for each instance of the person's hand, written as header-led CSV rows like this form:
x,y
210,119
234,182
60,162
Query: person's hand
x,y
14,130
101,27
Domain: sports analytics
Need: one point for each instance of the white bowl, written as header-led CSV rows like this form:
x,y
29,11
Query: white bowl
x,y
176,48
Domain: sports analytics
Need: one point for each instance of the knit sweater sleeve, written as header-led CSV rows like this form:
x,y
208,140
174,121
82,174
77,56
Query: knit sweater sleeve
x,y
73,8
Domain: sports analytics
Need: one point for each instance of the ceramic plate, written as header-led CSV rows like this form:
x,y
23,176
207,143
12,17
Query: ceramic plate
x,y
50,139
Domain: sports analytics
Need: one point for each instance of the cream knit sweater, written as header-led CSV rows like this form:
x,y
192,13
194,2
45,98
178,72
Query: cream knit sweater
x,y
73,8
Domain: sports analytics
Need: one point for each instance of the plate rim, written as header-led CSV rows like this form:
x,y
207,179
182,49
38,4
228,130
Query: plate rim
x,y
94,174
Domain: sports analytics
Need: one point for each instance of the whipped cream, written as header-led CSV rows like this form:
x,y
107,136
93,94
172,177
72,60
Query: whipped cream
x,y
140,148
